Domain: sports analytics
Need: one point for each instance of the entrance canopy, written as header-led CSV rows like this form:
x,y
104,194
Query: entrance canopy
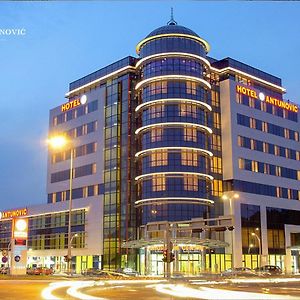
x,y
208,243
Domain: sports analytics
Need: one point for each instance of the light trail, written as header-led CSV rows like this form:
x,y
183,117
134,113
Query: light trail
x,y
74,291
215,294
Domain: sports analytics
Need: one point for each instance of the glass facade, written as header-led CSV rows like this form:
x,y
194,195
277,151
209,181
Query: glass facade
x,y
173,131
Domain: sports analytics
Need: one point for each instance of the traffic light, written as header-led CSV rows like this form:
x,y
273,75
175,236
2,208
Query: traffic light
x,y
168,256
172,256
165,256
67,258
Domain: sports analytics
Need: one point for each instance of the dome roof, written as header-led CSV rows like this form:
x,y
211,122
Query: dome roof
x,y
172,28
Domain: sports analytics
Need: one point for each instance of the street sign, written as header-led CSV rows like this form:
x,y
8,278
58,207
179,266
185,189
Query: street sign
x,y
4,259
4,252
17,258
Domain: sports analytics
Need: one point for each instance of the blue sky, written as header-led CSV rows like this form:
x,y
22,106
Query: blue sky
x,y
67,40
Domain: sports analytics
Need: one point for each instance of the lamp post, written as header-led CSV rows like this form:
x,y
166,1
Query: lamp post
x,y
231,196
259,246
60,142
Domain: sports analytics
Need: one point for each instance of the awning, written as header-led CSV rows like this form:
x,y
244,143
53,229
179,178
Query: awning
x,y
208,243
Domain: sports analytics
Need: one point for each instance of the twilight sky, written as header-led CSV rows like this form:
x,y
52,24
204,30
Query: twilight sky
x,y
67,40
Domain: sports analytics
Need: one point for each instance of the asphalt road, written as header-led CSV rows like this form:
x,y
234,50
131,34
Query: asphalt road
x,y
285,289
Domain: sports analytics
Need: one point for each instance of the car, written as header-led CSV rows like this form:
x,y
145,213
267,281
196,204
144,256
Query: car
x,y
94,272
39,271
242,271
127,271
4,270
269,270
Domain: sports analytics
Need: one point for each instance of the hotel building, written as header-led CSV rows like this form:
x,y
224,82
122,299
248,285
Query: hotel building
x,y
174,135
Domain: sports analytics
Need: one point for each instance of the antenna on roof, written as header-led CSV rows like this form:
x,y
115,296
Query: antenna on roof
x,y
172,21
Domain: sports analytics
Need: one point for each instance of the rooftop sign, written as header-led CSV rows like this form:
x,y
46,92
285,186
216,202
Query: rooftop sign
x,y
74,103
261,96
10,214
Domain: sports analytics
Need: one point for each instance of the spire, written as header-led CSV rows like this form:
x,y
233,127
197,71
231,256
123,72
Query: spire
x,y
172,21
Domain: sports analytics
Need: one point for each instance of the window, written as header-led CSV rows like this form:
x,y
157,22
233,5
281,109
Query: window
x,y
190,134
159,158
188,110
156,134
190,182
159,87
216,165
189,158
156,111
158,183
191,87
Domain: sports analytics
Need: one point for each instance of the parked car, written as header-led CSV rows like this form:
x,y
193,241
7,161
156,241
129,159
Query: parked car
x,y
94,272
243,271
39,271
4,270
269,270
127,271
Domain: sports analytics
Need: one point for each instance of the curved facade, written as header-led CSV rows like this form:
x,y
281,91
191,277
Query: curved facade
x,y
174,126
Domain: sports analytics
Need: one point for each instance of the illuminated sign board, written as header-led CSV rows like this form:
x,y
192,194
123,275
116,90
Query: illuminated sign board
x,y
13,213
261,96
74,103
20,228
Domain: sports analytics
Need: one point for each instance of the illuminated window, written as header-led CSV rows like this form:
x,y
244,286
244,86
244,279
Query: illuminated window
x,y
215,98
254,166
188,110
216,142
158,183
286,133
190,182
265,147
296,136
159,87
191,87
156,134
159,158
216,120
241,163
251,102
216,165
278,171
252,123
190,134
276,150
264,126
266,168
54,121
217,188
94,168
157,111
189,158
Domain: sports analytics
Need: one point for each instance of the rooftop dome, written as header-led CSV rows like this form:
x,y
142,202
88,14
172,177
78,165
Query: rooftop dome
x,y
172,28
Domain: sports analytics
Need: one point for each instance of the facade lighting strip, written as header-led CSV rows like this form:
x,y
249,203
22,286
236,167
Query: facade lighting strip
x,y
173,54
179,77
127,68
196,38
175,124
225,70
141,153
173,200
174,173
185,100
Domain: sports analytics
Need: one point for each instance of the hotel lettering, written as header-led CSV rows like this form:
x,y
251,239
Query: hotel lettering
x,y
253,94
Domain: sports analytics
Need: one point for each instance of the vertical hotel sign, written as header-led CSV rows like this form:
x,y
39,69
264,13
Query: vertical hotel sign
x,y
268,99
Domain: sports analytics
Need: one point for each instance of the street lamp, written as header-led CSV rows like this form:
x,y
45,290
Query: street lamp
x,y
259,246
60,142
231,196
